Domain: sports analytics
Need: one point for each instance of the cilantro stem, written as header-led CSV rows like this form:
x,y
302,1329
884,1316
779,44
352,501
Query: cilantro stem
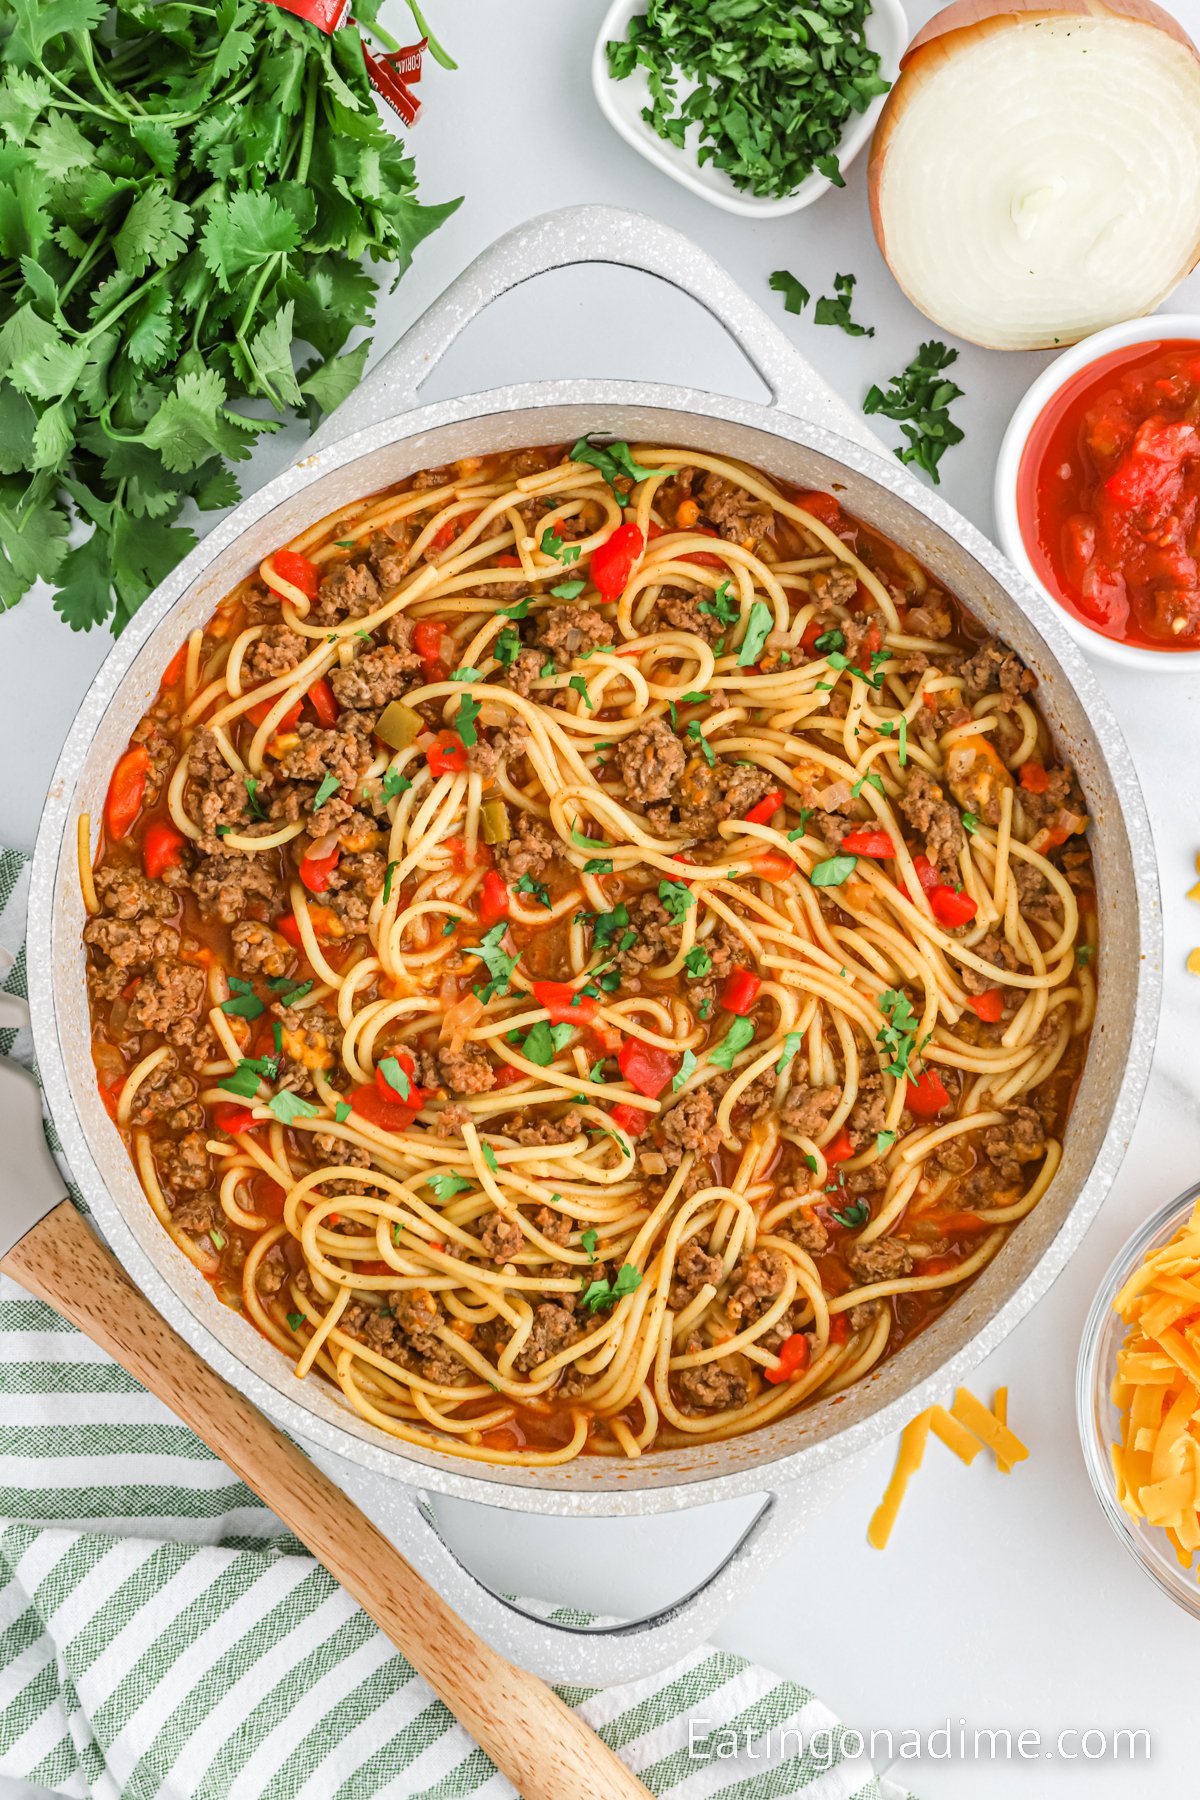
x,y
310,120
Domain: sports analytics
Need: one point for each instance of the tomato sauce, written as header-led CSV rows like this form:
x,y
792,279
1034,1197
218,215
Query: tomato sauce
x,y
1108,495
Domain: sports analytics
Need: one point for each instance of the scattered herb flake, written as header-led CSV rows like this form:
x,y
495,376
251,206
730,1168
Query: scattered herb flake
x,y
795,295
919,399
834,309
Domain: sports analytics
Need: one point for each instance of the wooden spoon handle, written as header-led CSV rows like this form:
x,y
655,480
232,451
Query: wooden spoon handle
x,y
545,1751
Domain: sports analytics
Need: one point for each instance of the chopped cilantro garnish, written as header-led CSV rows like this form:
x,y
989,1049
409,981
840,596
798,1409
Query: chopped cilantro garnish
x,y
568,590
687,1067
598,865
587,843
296,993
869,780
830,640
507,647
791,1045
795,295
579,684
497,962
444,1187
387,881
722,606
806,813
489,1157
740,1033
543,1041
884,1141
852,1217
519,611
394,783
395,1077
970,824
295,1320
1084,954
697,735
757,627
341,1111
602,1294
288,1107
466,674
464,720
245,1003
698,962
696,699
615,462
527,885
834,309
677,898
589,1239
919,398
607,925
244,1079
327,789
257,810
833,872
899,1036
557,547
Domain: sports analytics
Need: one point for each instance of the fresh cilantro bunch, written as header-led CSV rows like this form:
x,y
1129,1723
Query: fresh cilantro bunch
x,y
919,398
187,191
775,84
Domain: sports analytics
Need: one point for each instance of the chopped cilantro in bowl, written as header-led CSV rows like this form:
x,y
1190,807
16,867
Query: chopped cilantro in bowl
x,y
758,108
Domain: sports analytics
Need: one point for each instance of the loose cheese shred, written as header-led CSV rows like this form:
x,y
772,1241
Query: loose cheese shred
x,y
954,1434
1157,1388
966,1429
1000,1409
912,1450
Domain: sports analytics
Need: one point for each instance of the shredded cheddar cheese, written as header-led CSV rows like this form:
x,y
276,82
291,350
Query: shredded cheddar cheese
x,y
967,1428
1157,1389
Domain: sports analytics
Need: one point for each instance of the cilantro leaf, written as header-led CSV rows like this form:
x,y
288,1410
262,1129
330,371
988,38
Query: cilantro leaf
x,y
614,461
464,720
791,1044
740,1033
288,1107
444,1187
852,1217
327,789
919,399
795,295
721,606
833,872
525,884
244,1002
543,1041
677,898
698,962
688,1066
834,309
598,1296
757,627
498,963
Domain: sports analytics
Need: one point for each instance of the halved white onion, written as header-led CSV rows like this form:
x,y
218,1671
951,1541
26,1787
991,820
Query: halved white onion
x,y
1035,174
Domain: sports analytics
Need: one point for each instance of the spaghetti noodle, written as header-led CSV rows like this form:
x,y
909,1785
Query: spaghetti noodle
x,y
598,955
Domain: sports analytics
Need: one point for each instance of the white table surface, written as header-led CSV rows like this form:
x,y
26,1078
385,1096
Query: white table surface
x,y
1002,1601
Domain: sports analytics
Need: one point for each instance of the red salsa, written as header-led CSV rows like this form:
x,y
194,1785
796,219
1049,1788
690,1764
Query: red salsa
x,y
1108,495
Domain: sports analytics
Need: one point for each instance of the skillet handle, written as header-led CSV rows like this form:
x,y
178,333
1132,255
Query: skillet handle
x,y
557,1647
594,234
546,1751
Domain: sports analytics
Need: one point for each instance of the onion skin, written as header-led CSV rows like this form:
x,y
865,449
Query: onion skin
x,y
936,43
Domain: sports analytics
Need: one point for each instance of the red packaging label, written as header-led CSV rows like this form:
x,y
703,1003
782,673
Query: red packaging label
x,y
327,15
390,86
407,62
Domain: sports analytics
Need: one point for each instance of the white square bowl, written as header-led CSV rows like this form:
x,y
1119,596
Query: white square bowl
x,y
621,102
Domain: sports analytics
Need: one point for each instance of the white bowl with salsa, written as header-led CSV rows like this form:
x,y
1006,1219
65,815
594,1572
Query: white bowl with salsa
x,y
1097,492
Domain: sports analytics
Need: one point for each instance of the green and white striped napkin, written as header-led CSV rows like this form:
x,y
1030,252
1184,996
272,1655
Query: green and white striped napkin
x,y
163,1637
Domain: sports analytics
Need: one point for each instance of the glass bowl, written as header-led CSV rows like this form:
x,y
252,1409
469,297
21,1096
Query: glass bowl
x,y
1100,1421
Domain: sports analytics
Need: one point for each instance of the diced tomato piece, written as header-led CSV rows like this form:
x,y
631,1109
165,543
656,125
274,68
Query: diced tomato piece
x,y
872,638
766,809
645,1067
508,562
613,560
453,528
447,755
389,1115
927,875
629,1119
925,1095
506,1075
821,506
812,631
257,714
465,860
565,1004
793,1358
173,673
840,1149
988,1006
162,847
705,558
316,870
494,899
951,908
740,991
375,1266
867,840
126,791
291,567
839,1328
233,1119
427,640
289,927
415,1099
1034,778
320,696
773,865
